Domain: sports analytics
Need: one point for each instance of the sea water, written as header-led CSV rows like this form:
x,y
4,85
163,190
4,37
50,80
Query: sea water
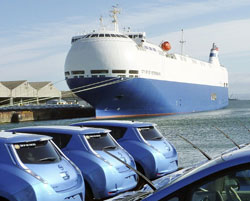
x,y
199,128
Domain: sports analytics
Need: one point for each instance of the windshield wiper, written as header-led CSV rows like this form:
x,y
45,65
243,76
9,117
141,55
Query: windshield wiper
x,y
130,167
109,147
48,159
157,138
194,146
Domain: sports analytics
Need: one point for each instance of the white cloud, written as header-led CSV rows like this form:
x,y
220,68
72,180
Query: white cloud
x,y
231,37
164,12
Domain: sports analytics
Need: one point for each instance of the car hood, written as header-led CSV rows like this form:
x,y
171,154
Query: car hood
x,y
163,146
60,176
147,190
121,154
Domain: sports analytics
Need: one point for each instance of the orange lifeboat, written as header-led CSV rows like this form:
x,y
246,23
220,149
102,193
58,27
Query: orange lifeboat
x,y
166,46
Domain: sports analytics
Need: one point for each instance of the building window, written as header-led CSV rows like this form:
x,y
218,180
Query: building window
x,y
67,73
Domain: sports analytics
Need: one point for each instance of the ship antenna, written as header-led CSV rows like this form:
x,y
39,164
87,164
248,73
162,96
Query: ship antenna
x,y
182,41
114,12
101,23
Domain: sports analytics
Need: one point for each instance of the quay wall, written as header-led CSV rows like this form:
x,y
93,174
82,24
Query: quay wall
x,y
45,114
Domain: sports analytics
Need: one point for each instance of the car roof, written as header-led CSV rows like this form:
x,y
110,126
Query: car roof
x,y
13,137
118,123
62,130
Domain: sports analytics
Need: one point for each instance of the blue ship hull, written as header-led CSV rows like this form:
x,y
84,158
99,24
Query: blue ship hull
x,y
117,97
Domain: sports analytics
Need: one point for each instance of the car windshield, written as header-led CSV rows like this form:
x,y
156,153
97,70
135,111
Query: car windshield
x,y
101,141
37,152
150,133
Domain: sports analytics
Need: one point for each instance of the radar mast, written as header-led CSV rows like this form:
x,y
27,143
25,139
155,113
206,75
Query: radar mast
x,y
101,23
114,13
182,41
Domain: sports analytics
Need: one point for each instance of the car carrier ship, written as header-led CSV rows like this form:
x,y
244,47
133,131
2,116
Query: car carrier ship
x,y
121,74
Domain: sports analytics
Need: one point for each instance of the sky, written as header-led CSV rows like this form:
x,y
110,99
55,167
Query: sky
x,y
35,35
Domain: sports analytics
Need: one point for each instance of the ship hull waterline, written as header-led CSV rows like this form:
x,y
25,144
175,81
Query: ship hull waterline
x,y
125,97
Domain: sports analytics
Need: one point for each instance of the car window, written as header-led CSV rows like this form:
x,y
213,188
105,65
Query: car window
x,y
150,133
234,186
100,141
61,140
37,152
116,132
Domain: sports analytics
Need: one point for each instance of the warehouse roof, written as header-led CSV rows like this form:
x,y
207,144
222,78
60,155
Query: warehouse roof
x,y
12,84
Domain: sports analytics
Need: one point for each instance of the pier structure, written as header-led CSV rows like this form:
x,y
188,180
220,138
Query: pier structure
x,y
35,101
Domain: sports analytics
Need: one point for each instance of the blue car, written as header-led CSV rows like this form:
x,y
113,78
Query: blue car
x,y
32,168
153,154
223,178
104,175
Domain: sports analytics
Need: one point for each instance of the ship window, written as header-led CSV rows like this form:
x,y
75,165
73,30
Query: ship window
x,y
118,71
133,71
131,76
123,36
113,35
140,36
130,36
118,35
102,76
94,35
88,36
81,76
94,76
99,71
77,72
107,35
121,76
101,35
67,73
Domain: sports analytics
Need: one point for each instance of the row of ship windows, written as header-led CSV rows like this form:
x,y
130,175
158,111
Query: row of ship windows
x,y
135,36
99,35
195,61
82,76
78,72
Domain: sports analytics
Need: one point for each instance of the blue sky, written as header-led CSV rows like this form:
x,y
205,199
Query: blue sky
x,y
35,35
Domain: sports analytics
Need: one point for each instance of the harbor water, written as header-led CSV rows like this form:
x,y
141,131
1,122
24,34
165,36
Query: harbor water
x,y
199,128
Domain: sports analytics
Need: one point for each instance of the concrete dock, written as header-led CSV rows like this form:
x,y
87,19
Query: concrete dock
x,y
44,112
